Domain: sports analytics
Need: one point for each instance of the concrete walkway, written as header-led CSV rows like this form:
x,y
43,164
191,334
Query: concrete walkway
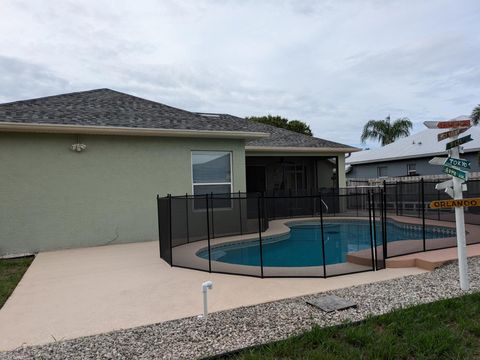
x,y
71,293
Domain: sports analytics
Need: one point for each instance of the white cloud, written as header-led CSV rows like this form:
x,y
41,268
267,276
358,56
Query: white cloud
x,y
333,64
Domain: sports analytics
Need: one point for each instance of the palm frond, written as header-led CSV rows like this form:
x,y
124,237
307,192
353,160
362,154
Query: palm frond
x,y
384,131
476,115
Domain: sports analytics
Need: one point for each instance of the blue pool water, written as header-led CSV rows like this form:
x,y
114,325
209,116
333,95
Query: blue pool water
x,y
303,246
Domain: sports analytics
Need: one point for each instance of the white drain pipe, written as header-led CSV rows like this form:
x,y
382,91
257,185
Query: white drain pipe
x,y
205,286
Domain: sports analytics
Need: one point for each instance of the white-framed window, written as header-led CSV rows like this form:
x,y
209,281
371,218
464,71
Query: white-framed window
x,y
211,172
411,169
382,171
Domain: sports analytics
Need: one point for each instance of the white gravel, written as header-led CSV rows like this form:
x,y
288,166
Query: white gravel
x,y
233,329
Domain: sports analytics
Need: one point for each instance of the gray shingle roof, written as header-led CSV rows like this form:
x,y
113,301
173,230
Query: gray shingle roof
x,y
105,107
281,137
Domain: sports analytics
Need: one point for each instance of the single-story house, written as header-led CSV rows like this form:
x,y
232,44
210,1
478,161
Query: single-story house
x,y
84,168
409,156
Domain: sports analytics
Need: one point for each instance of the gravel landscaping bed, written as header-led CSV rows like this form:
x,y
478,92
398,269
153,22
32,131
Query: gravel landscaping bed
x,y
253,325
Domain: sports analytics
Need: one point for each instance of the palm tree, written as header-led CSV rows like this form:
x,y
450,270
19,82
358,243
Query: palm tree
x,y
385,131
476,115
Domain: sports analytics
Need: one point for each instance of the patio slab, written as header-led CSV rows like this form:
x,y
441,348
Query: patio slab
x,y
71,293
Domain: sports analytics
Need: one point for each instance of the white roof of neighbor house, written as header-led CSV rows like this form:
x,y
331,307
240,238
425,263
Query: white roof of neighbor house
x,y
421,144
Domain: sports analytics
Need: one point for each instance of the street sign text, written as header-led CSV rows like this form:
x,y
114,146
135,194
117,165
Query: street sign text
x,y
451,133
446,204
453,124
459,142
464,164
455,172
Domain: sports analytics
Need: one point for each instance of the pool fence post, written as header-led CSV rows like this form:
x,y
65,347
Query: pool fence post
x,y
260,234
374,219
186,217
374,264
240,211
438,210
170,225
322,237
423,212
356,199
213,220
159,233
399,184
384,240
208,236
396,198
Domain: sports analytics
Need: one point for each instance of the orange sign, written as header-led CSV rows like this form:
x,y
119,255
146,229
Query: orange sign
x,y
447,204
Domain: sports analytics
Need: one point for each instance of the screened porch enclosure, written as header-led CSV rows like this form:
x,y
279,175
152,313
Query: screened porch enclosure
x,y
286,175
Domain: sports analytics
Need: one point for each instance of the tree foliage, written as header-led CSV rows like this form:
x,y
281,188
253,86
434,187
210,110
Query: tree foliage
x,y
386,131
476,115
280,122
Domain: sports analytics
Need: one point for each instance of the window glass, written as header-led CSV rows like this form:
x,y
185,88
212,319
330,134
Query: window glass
x,y
211,167
382,171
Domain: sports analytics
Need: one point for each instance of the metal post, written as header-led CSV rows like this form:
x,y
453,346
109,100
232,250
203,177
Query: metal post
x,y
419,207
356,198
374,264
401,197
159,233
213,221
423,213
396,198
240,212
260,237
374,224
170,223
438,211
460,221
384,240
186,216
323,238
208,236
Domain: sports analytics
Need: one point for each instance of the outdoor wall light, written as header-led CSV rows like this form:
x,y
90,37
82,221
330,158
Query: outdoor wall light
x,y
78,147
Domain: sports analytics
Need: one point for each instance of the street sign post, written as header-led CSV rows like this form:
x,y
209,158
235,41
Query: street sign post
x,y
454,166
448,204
458,142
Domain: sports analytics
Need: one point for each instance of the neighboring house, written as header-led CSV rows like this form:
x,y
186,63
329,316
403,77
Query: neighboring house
x,y
409,156
84,169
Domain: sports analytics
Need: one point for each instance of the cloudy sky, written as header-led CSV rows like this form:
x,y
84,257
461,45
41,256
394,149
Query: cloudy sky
x,y
333,64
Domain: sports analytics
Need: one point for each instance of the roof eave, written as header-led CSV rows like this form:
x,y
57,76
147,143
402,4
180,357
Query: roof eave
x,y
300,149
406,157
114,130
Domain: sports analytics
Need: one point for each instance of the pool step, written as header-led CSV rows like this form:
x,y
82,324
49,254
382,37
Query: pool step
x,y
428,260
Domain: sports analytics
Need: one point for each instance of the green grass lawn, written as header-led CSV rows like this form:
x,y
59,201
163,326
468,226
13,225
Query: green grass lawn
x,y
11,272
447,329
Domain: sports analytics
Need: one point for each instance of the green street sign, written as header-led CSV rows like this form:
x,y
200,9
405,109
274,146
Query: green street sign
x,y
459,163
459,142
455,172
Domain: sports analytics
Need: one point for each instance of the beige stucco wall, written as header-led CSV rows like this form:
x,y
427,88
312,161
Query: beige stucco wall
x,y
52,197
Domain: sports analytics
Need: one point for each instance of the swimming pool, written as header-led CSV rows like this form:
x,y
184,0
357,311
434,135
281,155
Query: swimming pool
x,y
303,246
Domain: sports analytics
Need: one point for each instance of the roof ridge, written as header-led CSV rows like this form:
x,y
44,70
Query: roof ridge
x,y
57,96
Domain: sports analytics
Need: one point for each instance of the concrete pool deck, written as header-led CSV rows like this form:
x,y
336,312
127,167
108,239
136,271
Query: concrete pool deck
x,y
71,293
